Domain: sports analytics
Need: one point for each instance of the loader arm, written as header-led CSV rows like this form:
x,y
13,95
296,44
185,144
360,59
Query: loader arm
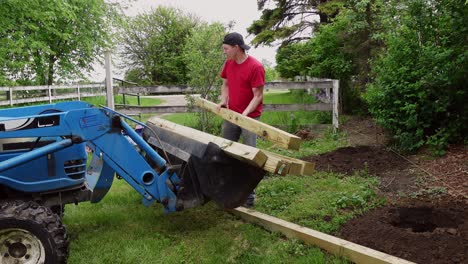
x,y
112,152
44,168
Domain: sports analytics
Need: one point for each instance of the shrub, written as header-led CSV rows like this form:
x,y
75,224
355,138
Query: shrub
x,y
419,91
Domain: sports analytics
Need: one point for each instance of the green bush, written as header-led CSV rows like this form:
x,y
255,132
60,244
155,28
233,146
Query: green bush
x,y
419,92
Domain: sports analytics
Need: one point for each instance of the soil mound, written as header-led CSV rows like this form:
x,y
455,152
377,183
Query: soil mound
x,y
422,232
373,159
427,229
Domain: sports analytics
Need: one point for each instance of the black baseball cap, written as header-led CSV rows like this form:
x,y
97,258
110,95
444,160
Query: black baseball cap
x,y
235,39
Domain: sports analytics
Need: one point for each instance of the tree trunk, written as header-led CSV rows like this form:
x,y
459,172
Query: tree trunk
x,y
50,73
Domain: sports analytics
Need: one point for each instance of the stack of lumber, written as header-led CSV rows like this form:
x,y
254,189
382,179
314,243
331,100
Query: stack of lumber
x,y
183,141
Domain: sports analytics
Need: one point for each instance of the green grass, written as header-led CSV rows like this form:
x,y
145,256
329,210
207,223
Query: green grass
x,y
288,97
121,230
101,100
328,141
322,202
118,99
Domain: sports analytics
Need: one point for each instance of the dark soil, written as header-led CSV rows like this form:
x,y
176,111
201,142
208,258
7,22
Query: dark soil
x,y
426,217
418,231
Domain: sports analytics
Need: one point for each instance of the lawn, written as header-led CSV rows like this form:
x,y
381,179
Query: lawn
x,y
120,229
118,99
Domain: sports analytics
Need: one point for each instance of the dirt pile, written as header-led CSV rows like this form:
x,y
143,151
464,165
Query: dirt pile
x,y
422,232
430,227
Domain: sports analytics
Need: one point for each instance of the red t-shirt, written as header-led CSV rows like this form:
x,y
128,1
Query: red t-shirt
x,y
241,79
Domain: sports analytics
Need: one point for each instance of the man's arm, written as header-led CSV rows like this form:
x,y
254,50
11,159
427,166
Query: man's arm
x,y
224,95
256,100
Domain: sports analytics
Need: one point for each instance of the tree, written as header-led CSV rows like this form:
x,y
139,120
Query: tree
x,y
294,59
419,87
338,50
153,45
289,21
204,59
40,40
270,72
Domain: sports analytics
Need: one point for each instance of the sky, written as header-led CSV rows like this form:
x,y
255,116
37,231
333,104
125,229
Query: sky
x,y
242,12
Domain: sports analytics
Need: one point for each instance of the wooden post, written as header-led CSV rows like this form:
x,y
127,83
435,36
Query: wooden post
x,y
78,91
109,88
336,90
49,90
11,95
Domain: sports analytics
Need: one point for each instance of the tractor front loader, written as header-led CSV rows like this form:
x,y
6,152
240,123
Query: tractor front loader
x,y
56,154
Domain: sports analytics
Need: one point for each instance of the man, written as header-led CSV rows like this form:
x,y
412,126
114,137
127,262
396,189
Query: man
x,y
242,90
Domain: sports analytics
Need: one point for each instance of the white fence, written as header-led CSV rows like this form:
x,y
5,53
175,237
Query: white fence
x,y
48,93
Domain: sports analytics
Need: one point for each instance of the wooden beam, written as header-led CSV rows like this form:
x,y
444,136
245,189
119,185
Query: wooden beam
x,y
237,150
320,84
192,141
133,109
278,166
296,166
169,148
337,246
160,89
297,107
283,139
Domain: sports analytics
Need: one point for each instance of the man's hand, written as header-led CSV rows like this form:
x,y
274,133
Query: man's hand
x,y
221,105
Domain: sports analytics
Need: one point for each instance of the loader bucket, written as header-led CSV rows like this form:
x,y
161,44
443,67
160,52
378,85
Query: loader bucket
x,y
207,172
218,177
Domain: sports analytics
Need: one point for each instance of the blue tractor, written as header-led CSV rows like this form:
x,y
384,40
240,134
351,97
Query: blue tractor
x,y
56,154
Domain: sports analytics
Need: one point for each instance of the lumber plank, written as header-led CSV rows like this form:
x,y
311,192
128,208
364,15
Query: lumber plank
x,y
180,136
334,245
277,165
237,150
296,166
183,155
282,138
192,141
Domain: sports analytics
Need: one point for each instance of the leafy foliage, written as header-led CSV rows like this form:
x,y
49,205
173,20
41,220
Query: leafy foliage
x,y
286,21
324,56
271,74
203,57
419,92
153,45
42,39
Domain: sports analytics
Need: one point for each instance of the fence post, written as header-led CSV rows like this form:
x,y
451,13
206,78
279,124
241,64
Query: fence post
x,y
336,87
109,88
78,91
11,95
50,94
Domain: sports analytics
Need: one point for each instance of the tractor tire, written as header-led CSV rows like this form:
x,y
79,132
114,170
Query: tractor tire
x,y
58,209
30,233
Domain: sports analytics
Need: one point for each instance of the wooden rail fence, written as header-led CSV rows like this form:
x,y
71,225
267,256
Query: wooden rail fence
x,y
329,87
31,94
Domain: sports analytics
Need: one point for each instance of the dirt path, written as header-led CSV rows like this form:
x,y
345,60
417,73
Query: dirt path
x,y
426,217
